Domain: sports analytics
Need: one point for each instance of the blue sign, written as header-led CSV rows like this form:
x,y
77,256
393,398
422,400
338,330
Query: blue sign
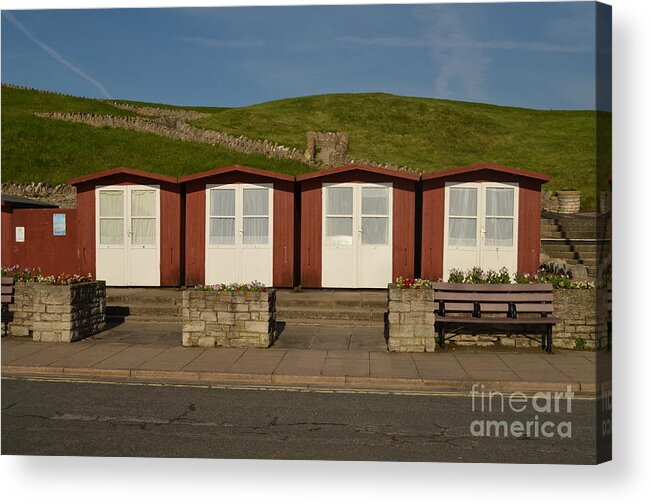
x,y
59,224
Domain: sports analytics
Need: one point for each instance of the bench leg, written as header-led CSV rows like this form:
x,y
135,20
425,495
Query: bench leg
x,y
549,339
442,337
543,339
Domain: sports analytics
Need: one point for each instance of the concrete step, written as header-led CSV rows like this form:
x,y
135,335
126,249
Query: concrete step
x,y
311,313
290,303
332,323
144,313
565,255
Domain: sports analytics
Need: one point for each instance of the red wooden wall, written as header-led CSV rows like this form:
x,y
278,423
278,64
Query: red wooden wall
x,y
283,225
7,234
52,254
170,224
434,217
404,215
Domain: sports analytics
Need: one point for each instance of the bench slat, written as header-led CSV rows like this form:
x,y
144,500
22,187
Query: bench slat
x,y
446,286
7,280
7,298
534,308
494,297
498,321
7,289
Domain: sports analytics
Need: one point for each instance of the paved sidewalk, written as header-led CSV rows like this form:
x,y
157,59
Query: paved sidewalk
x,y
150,353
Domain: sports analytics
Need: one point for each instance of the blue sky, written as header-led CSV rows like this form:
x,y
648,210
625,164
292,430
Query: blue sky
x,y
538,55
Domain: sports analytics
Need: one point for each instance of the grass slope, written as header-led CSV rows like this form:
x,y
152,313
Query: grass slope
x,y
431,135
422,133
44,150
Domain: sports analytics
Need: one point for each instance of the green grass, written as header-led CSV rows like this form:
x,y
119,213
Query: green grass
x,y
422,133
44,150
432,135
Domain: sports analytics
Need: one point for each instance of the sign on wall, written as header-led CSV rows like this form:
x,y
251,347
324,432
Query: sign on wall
x,y
59,224
20,234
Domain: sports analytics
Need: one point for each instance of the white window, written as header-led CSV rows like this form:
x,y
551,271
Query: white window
x,y
222,217
499,216
143,217
462,217
111,217
339,216
255,229
375,215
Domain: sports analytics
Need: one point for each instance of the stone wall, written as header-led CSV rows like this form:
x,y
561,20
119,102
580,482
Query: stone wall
x,y
410,324
184,115
58,313
62,195
583,315
329,148
229,319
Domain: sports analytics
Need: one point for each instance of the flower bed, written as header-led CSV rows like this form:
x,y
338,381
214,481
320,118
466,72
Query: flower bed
x,y
233,315
61,308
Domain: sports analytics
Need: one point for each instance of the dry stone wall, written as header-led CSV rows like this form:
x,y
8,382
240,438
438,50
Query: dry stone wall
x,y
229,319
184,115
58,313
62,195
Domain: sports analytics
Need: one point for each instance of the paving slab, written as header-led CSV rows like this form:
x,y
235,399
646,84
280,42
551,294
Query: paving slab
x,y
393,368
345,367
16,350
91,355
131,357
255,362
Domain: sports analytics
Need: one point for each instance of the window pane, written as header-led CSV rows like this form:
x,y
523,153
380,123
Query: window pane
x,y
339,230
143,203
375,230
499,201
340,201
111,231
375,200
256,231
143,231
462,232
222,202
499,232
222,231
111,203
256,201
463,201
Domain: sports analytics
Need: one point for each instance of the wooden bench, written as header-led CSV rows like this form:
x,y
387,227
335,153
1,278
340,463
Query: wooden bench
x,y
7,299
488,308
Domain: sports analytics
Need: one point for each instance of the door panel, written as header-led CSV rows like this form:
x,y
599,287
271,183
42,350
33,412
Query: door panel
x,y
239,233
128,235
357,235
480,226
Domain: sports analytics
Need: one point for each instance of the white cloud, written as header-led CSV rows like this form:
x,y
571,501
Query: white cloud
x,y
56,56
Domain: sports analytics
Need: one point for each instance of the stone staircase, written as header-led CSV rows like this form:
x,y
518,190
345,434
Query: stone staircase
x,y
135,304
331,308
570,239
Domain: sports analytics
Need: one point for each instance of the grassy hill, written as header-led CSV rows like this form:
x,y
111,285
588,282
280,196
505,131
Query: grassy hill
x,y
422,133
45,150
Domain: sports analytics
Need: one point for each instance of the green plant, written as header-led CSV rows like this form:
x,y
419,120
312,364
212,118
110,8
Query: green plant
x,y
580,343
34,275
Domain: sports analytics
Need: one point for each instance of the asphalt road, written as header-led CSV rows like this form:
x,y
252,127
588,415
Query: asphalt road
x,y
41,417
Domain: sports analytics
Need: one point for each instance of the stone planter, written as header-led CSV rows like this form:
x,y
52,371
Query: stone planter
x,y
569,202
229,319
410,324
58,313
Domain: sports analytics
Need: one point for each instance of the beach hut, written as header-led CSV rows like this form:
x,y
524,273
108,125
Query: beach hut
x,y
357,226
129,227
483,215
239,227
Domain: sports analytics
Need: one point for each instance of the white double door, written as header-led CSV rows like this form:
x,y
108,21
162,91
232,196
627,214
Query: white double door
x,y
239,233
128,235
481,226
357,235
